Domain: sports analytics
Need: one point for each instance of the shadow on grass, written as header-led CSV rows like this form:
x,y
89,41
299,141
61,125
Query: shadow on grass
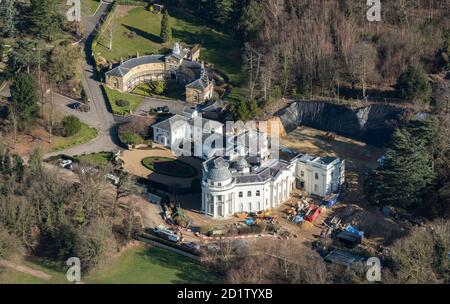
x,y
189,271
143,34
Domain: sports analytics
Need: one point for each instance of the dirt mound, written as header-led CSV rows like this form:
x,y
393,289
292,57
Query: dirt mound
x,y
374,224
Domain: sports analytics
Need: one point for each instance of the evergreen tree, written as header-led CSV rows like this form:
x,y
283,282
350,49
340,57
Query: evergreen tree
x,y
407,170
2,50
23,56
251,21
8,15
45,18
166,30
223,11
413,85
19,168
25,99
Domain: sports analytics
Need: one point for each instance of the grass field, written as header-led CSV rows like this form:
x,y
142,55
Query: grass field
x,y
169,166
83,136
144,265
139,30
88,7
114,96
99,159
152,265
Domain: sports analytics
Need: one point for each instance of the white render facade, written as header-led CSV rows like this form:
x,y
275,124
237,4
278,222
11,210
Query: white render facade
x,y
230,184
225,198
172,131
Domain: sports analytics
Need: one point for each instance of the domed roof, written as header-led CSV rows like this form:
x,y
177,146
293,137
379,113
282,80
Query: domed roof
x,y
240,164
219,173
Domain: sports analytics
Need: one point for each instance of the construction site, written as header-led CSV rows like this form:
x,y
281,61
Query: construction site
x,y
342,227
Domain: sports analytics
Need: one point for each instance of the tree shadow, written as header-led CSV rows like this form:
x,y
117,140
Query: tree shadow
x,y
143,34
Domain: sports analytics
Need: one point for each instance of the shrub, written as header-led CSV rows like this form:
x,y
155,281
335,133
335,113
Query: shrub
x,y
413,85
71,125
129,138
122,103
158,87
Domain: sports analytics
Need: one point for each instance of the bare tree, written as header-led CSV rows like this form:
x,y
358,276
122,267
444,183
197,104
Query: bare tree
x,y
124,188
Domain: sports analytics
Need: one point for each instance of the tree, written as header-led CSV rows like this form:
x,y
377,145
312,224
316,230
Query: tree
x,y
71,125
25,99
45,18
158,87
94,243
9,244
124,188
64,64
251,21
223,10
24,54
421,257
8,15
413,85
166,29
35,161
2,49
443,55
407,170
19,168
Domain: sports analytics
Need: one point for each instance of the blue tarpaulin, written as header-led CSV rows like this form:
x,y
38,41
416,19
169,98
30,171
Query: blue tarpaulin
x,y
353,230
250,221
330,202
297,219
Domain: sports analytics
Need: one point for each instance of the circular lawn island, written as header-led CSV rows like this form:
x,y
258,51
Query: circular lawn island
x,y
169,166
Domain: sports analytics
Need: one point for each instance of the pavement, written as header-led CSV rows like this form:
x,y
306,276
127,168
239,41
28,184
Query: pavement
x,y
175,106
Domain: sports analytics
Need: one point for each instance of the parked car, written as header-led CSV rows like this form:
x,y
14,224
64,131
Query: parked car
x,y
66,163
192,245
158,109
165,109
75,105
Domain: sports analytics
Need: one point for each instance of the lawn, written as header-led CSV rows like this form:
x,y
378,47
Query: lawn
x,y
114,96
151,265
173,90
88,7
9,276
139,31
144,265
99,159
169,166
85,134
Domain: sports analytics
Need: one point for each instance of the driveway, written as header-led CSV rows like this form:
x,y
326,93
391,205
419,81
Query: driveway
x,y
175,106
132,164
99,116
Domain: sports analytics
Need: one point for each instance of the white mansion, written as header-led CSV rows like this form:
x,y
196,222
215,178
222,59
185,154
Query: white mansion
x,y
245,177
237,183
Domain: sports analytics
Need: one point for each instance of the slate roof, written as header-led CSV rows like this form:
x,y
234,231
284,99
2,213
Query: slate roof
x,y
125,67
198,84
219,173
167,123
257,175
